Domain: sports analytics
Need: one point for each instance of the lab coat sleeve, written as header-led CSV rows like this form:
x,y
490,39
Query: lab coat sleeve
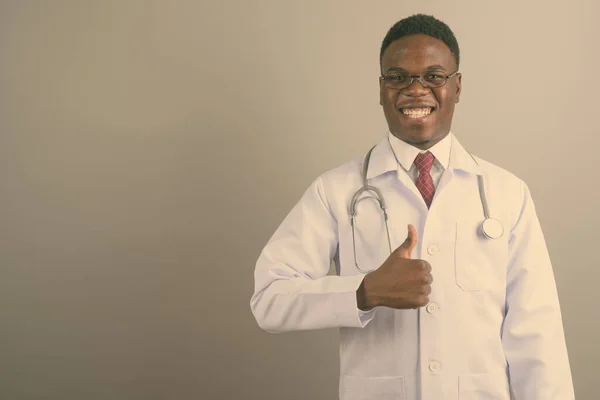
x,y
292,289
532,334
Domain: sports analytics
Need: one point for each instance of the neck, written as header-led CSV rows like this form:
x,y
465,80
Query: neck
x,y
424,145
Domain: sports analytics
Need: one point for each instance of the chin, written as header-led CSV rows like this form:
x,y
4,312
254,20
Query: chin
x,y
419,139
415,136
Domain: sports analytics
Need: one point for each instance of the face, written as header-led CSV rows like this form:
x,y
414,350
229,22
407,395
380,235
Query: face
x,y
406,110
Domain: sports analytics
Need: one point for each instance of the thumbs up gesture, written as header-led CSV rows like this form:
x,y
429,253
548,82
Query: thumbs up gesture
x,y
400,282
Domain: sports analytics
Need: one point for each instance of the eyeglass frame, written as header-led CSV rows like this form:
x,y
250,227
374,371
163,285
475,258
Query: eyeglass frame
x,y
420,79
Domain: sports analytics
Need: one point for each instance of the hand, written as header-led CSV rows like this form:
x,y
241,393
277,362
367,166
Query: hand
x,y
400,282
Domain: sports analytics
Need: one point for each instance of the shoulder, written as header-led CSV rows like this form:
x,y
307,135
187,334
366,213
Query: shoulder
x,y
497,173
503,183
332,182
507,191
333,187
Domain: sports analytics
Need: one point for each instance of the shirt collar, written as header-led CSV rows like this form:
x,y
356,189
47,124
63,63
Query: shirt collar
x,y
406,153
383,158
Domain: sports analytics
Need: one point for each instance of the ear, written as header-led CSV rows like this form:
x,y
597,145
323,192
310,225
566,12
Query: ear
x,y
458,87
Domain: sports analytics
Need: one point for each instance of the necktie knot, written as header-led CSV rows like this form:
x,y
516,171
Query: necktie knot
x,y
424,161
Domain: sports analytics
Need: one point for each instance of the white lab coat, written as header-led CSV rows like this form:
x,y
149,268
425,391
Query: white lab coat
x,y
493,323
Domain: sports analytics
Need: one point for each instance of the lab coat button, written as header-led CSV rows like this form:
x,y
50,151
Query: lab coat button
x,y
432,308
433,249
435,366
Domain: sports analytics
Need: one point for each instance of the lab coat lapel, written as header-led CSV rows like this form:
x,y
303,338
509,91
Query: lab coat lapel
x,y
460,162
460,159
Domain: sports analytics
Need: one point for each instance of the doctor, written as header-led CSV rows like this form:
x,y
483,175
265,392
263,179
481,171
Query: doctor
x,y
429,304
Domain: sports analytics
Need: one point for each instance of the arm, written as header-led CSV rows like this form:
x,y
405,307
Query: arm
x,y
292,290
532,333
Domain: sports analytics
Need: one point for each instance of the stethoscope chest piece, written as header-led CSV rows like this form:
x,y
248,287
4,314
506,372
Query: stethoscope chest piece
x,y
492,228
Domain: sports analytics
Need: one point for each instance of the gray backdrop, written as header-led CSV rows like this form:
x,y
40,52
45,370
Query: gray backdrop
x,y
148,149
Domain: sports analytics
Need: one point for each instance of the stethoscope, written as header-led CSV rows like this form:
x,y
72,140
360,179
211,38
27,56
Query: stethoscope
x,y
490,227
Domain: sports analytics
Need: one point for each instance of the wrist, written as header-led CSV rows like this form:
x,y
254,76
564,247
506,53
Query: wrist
x,y
363,300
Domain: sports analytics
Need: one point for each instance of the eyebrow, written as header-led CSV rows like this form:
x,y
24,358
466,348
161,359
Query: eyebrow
x,y
429,68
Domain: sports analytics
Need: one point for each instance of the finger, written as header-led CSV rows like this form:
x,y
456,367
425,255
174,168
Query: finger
x,y
426,266
406,248
426,279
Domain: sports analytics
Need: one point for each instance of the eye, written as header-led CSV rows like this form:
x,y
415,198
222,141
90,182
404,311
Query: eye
x,y
434,77
396,78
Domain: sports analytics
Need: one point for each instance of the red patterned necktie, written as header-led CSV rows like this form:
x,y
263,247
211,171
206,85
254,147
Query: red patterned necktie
x,y
423,162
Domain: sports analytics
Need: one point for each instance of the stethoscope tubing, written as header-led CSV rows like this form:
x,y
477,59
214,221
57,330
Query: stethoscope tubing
x,y
491,227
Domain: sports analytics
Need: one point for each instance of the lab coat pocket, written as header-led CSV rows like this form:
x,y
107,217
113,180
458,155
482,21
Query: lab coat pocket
x,y
369,388
480,263
483,387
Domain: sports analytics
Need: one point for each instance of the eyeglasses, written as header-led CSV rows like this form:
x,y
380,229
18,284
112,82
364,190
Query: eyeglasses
x,y
427,80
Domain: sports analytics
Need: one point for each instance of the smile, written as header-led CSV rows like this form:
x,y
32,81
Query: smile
x,y
416,113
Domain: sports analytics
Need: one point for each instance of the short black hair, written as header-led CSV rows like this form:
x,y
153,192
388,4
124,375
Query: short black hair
x,y
425,25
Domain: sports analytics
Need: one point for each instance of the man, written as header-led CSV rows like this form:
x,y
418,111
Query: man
x,y
490,323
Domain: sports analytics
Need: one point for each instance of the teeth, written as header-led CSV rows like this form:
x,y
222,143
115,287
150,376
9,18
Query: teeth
x,y
416,112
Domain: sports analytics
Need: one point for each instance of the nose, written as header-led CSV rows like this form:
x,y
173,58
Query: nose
x,y
416,88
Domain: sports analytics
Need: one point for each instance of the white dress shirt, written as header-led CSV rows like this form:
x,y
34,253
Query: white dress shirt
x,y
406,153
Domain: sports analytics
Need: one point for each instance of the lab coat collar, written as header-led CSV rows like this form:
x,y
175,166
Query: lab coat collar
x,y
460,158
383,159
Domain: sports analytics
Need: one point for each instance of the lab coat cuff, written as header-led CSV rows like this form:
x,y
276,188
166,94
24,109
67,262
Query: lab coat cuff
x,y
347,312
365,316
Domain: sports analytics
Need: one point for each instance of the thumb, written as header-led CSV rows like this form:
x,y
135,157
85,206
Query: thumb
x,y
405,249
